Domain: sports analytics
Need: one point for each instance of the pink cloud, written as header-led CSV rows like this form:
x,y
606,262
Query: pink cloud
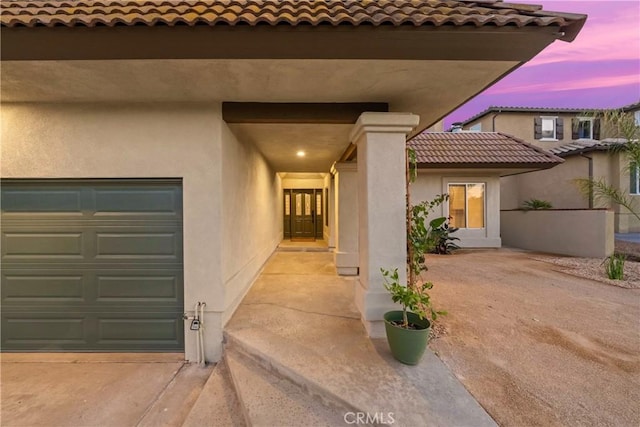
x,y
608,35
577,84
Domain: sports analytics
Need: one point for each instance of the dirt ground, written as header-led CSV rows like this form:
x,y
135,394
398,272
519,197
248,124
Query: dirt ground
x,y
538,347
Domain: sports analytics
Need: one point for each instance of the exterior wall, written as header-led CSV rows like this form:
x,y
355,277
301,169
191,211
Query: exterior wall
x,y
428,185
303,183
520,125
252,209
586,233
554,185
135,141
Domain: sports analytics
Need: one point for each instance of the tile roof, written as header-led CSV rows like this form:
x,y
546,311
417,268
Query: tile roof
x,y
477,150
585,146
92,13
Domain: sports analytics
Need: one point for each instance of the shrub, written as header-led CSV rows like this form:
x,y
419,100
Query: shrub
x,y
614,266
536,204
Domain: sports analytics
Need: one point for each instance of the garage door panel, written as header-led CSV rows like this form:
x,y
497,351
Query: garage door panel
x,y
43,245
29,200
138,201
49,288
132,245
43,331
92,266
135,288
127,331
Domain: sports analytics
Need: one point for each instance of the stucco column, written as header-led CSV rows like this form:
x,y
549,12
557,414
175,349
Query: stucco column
x,y
346,187
381,142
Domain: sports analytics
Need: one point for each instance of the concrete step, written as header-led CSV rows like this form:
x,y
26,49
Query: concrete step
x,y
217,405
348,370
173,405
271,400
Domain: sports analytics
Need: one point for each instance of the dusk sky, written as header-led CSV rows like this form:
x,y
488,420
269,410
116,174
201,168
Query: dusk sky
x,y
599,69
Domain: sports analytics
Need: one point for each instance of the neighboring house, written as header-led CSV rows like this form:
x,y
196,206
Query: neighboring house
x,y
147,147
577,136
468,167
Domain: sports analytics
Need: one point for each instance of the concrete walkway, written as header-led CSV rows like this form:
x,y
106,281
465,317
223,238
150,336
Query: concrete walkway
x,y
98,389
298,333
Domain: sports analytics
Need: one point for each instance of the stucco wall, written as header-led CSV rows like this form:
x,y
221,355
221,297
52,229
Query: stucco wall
x,y
428,185
135,141
520,125
251,216
555,185
586,233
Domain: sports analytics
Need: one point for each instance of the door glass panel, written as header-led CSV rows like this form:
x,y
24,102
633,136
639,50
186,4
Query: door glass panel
x,y
319,204
287,204
307,204
298,204
475,203
457,205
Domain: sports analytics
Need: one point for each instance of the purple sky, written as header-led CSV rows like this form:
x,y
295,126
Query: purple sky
x,y
599,69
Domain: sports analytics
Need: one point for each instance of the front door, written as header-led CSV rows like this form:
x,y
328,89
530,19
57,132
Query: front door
x,y
303,218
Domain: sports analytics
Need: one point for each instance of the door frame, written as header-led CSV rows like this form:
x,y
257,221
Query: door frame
x,y
317,200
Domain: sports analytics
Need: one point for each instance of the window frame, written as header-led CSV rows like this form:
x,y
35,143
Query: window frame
x,y
591,126
554,127
634,178
466,203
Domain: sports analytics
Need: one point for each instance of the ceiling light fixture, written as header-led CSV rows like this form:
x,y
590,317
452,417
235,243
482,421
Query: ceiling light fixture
x,y
300,153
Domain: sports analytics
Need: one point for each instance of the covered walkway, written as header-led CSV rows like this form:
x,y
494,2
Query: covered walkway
x,y
298,326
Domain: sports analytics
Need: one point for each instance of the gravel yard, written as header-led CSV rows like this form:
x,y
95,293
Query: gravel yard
x,y
537,346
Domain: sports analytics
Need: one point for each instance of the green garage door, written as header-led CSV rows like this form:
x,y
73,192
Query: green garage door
x,y
92,265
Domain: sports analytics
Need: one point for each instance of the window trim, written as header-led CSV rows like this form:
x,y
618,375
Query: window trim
x,y
555,126
586,119
637,180
466,203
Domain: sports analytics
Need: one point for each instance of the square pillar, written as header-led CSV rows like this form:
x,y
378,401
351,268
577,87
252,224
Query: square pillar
x,y
382,232
346,188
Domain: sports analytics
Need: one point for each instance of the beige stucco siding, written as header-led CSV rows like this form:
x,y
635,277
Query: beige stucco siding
x,y
251,216
135,141
428,185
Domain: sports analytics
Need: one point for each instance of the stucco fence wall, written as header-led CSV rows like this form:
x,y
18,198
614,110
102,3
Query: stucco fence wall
x,y
575,232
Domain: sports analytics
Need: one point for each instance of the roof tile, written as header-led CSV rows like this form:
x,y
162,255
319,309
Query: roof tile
x,y
451,149
91,13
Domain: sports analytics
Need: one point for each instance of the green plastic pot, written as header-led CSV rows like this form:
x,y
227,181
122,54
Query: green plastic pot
x,y
407,345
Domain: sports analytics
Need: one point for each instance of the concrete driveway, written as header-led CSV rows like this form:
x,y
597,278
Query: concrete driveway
x,y
98,389
537,347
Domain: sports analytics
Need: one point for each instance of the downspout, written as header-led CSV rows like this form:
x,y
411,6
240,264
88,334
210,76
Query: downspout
x,y
590,178
493,120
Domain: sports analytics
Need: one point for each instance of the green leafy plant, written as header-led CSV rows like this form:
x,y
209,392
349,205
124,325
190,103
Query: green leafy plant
x,y
614,266
422,238
536,204
443,239
620,126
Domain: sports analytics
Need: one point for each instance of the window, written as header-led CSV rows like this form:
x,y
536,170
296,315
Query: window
x,y
548,128
584,128
476,128
466,205
634,174
636,115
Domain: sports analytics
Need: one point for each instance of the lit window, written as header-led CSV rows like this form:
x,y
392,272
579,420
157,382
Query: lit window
x,y
466,205
548,128
634,174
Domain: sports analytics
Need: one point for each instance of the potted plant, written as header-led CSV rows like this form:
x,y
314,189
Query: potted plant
x,y
408,329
